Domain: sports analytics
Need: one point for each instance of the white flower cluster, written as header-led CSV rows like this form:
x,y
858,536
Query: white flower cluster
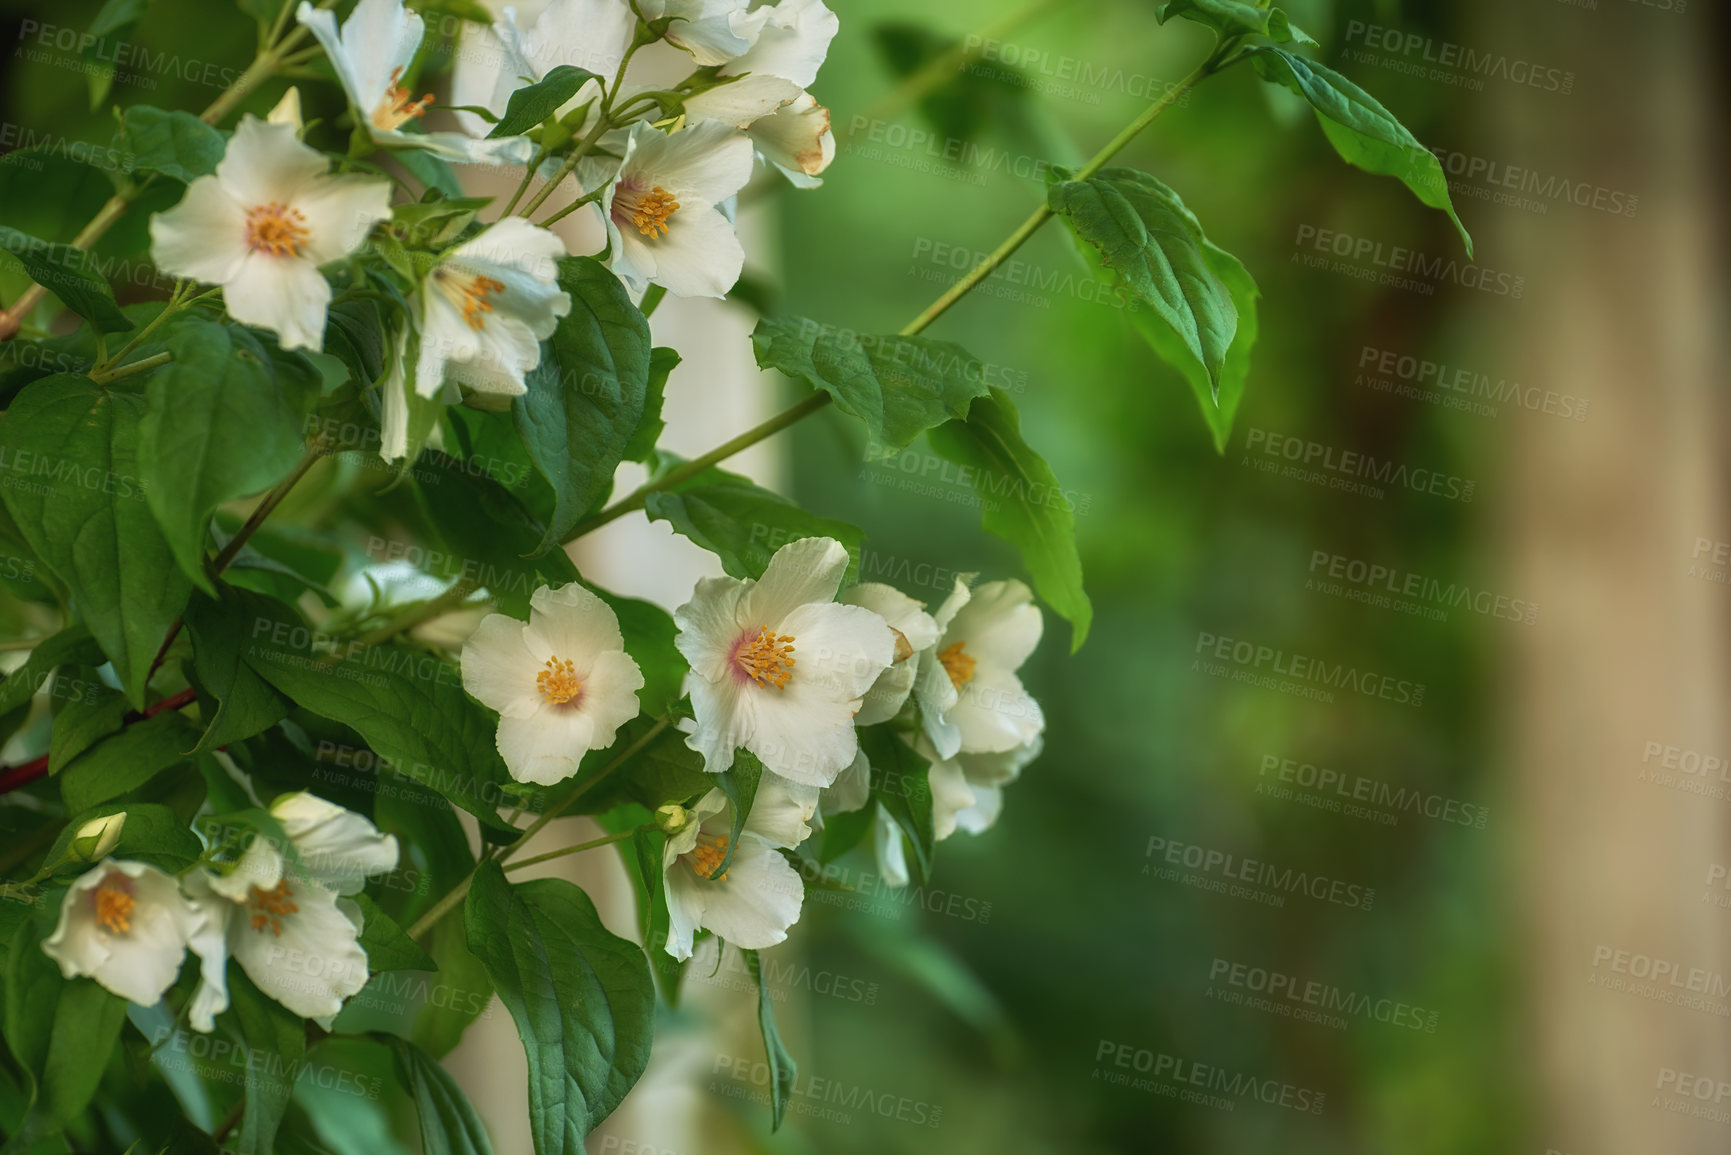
x,y
283,912
272,214
782,669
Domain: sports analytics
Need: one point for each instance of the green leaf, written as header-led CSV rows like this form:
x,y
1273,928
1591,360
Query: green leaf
x,y
642,857
534,103
174,143
88,712
126,761
113,20
739,782
69,274
1235,18
409,706
649,631
842,832
666,768
72,645
899,781
388,946
662,363
221,629
72,450
1362,131
449,1125
276,1042
742,523
783,1071
899,386
582,999
585,401
1022,503
152,833
222,423
61,1032
1143,232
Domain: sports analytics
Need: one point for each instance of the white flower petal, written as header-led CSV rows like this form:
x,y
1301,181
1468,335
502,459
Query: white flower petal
x,y
726,718
338,848
993,713
574,623
309,960
888,694
703,28
851,789
138,963
709,625
340,211
744,101
891,852
499,669
266,164
702,164
1000,624
796,139
286,295
758,900
803,571
700,255
988,804
203,237
905,615
792,42
610,695
801,733
839,651
547,746
951,794
781,811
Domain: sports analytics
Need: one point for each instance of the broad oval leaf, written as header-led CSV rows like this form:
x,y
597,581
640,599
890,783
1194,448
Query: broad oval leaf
x,y
534,103
1022,503
449,1125
171,142
72,482
899,386
1143,232
69,274
1235,18
1362,131
581,996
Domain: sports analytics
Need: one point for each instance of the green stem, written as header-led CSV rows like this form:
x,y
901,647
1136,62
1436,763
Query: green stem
x,y
105,376
603,124
414,616
651,298
174,306
523,185
579,848
587,198
449,903
930,313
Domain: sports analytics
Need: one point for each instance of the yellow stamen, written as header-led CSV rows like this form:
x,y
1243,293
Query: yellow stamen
x,y
766,659
707,855
469,292
277,229
395,108
958,665
114,903
270,907
558,682
651,211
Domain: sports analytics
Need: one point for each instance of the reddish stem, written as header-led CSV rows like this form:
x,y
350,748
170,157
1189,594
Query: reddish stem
x,y
29,772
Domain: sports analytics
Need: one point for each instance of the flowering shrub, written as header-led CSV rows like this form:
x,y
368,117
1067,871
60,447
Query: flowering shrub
x,y
238,788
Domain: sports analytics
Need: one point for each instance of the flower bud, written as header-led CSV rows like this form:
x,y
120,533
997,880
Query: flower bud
x,y
673,818
97,838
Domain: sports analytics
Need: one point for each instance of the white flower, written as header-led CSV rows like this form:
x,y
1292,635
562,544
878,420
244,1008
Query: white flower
x,y
789,40
704,28
288,111
561,682
969,696
485,308
780,669
126,925
375,47
263,224
915,630
589,34
662,221
753,904
290,927
968,790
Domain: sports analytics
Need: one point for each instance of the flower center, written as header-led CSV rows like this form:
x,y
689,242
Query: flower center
x,y
648,211
277,229
707,855
270,907
958,665
469,292
114,903
765,658
395,108
558,682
